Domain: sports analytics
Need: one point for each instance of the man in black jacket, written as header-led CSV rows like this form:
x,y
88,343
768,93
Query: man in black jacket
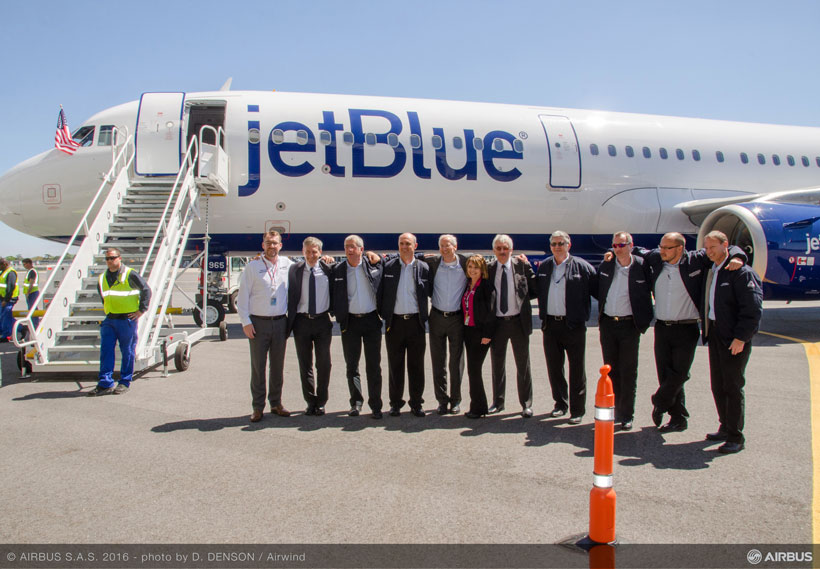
x,y
625,311
732,306
563,284
402,302
355,285
309,308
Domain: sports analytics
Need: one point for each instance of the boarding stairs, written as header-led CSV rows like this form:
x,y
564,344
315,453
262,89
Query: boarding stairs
x,y
149,220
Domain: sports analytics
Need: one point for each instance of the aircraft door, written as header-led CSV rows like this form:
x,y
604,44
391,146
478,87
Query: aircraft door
x,y
564,155
158,139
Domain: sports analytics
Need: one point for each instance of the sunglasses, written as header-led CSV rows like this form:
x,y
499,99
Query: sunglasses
x,y
112,258
669,247
620,245
558,244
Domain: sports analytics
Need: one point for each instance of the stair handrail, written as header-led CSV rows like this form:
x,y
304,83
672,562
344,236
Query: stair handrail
x,y
122,160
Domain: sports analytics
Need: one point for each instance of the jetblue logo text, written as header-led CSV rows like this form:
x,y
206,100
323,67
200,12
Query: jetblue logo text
x,y
494,150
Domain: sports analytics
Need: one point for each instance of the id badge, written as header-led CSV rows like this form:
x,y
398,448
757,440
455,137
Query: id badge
x,y
273,301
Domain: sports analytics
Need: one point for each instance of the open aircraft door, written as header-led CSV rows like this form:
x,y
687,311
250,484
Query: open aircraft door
x,y
159,138
564,155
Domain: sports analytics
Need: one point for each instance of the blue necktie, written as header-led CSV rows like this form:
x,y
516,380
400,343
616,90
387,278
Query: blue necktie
x,y
312,293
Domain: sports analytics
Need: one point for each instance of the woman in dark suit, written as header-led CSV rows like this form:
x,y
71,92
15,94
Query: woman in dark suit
x,y
479,325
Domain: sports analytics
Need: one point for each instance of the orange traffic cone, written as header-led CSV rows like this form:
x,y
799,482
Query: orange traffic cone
x,y
602,496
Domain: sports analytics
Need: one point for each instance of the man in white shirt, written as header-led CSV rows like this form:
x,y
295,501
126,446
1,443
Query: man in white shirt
x,y
262,304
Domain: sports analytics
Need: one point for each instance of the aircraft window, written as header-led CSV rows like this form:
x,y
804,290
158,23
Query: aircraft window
x,y
301,137
253,135
518,146
790,160
679,154
370,138
696,155
324,137
437,143
593,149
347,137
646,152
611,150
84,135
761,159
630,152
393,140
663,153
415,141
498,145
775,159
818,161
719,156
277,136
805,161
106,135
457,142
744,157
478,143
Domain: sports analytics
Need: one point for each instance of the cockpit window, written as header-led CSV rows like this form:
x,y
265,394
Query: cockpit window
x,y
106,137
84,135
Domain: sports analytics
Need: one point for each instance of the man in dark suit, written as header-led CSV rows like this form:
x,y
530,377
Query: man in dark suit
x,y
625,311
514,284
733,305
677,279
402,302
309,308
563,285
447,273
355,286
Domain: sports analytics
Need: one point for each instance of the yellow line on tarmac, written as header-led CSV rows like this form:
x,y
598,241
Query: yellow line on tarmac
x,y
813,356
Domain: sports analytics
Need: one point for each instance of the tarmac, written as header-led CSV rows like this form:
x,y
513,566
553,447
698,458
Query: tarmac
x,y
175,460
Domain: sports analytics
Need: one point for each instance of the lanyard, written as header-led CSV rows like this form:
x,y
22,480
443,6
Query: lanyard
x,y
272,275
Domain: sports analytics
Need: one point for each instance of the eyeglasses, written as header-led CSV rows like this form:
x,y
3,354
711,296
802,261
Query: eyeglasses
x,y
666,248
620,245
112,258
558,243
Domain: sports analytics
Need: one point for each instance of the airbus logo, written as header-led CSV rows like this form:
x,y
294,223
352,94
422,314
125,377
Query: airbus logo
x,y
376,151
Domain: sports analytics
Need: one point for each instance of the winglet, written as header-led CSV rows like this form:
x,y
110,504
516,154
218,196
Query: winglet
x,y
227,85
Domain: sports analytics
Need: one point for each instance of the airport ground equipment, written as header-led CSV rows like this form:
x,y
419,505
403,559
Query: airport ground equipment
x,y
149,220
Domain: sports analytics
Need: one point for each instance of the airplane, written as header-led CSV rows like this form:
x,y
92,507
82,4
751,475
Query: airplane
x,y
332,165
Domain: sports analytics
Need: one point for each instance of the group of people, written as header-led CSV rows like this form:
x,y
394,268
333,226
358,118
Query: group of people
x,y
10,292
477,307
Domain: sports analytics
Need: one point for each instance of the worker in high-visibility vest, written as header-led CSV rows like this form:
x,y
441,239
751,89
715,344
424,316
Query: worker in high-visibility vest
x,y
31,288
125,296
8,298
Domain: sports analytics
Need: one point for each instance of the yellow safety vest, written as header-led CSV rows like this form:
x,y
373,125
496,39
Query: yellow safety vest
x,y
120,298
3,278
34,286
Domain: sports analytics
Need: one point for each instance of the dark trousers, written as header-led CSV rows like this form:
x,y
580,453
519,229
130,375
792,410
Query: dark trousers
x,y
124,331
31,300
446,331
620,341
365,330
728,379
562,342
509,331
674,352
406,339
311,335
476,354
269,343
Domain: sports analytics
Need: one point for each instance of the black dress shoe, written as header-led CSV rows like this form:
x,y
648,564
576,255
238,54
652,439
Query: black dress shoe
x,y
310,410
717,437
558,412
319,411
526,412
394,412
674,426
442,409
626,426
354,411
455,409
730,448
495,409
471,415
377,414
657,416
417,411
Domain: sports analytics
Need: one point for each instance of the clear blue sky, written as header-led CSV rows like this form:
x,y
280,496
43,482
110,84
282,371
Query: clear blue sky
x,y
748,61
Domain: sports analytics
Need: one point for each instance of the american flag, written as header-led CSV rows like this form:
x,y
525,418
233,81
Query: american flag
x,y
62,138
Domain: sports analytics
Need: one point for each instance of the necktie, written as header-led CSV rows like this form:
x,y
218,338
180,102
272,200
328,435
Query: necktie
x,y
709,277
504,290
312,294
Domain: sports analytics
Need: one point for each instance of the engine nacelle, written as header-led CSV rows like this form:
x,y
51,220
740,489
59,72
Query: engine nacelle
x,y
782,241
